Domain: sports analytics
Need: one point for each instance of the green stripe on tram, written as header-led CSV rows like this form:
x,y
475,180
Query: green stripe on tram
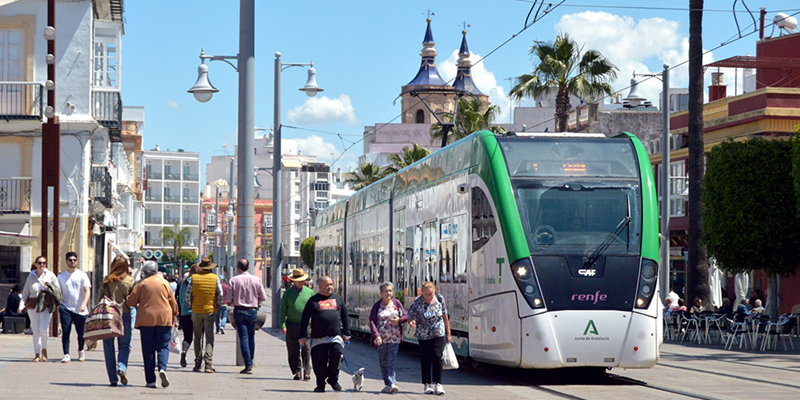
x,y
649,202
495,174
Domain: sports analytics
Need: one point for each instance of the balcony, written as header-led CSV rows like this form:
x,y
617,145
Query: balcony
x,y
154,175
190,221
15,196
100,186
108,111
153,242
191,177
152,220
172,176
152,197
172,220
172,199
126,237
190,199
21,101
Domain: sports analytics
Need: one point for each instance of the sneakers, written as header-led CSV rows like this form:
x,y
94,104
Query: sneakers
x,y
81,356
306,377
151,385
319,389
183,359
439,390
44,354
386,389
247,370
123,377
36,358
428,389
298,376
164,380
394,389
221,331
209,369
196,367
65,359
336,386
113,384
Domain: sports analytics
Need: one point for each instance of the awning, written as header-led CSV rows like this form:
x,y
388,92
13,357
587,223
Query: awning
x,y
118,250
16,240
291,164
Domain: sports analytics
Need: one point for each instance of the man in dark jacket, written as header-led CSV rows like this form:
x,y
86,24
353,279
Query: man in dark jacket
x,y
330,330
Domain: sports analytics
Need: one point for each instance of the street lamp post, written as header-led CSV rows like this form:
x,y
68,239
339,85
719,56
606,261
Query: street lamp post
x,y
311,90
203,90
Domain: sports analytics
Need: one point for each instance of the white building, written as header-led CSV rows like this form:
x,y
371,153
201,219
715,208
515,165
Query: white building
x,y
171,187
95,174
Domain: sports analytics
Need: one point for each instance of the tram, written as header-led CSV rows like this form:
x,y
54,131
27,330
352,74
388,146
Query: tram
x,y
544,246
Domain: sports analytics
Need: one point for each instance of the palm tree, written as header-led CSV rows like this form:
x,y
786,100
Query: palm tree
x,y
469,119
177,235
697,270
408,156
564,68
367,174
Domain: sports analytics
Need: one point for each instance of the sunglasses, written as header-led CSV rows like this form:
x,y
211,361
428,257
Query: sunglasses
x,y
41,262
72,259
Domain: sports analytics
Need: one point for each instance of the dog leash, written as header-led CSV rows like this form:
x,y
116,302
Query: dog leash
x,y
344,360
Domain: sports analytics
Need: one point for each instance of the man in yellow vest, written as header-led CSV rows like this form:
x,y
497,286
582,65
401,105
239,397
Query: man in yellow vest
x,y
204,297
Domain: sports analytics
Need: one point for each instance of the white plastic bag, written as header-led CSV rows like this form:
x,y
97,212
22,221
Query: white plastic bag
x,y
449,360
175,342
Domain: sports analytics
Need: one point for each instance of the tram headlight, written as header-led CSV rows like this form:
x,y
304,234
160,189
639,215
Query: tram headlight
x,y
647,283
525,276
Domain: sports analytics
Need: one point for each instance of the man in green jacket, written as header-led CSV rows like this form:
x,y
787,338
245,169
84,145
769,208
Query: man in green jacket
x,y
292,304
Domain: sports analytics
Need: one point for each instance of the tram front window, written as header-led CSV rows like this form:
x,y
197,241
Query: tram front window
x,y
576,217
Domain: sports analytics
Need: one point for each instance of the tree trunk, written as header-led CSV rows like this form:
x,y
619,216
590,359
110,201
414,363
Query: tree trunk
x,y
771,308
697,270
562,109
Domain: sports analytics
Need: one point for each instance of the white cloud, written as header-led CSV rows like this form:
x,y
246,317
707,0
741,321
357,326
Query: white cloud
x,y
633,45
483,78
321,110
174,105
314,145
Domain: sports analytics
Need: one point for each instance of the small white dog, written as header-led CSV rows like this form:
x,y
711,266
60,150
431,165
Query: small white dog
x,y
358,380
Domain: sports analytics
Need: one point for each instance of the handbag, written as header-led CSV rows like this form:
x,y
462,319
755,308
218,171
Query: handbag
x,y
31,302
175,341
449,360
104,321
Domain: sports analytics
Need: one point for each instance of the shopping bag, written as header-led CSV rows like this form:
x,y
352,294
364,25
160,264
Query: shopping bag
x,y
175,342
104,321
449,360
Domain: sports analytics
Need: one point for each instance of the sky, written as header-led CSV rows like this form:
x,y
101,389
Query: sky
x,y
364,51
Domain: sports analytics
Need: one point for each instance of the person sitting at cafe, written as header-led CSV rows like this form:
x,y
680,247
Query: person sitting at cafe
x,y
698,306
726,307
757,308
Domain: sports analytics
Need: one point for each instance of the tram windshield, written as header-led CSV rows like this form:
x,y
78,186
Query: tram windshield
x,y
573,193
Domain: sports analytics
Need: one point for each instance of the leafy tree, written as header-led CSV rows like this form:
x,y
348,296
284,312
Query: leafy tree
x,y
365,175
697,268
307,252
177,235
566,69
470,119
750,218
408,156
187,255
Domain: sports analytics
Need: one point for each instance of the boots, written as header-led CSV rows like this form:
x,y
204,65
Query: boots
x,y
209,369
44,354
37,358
183,353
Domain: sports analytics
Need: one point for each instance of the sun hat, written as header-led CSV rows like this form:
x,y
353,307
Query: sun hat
x,y
206,264
298,275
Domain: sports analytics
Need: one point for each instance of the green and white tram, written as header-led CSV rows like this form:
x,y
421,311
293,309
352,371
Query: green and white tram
x,y
543,245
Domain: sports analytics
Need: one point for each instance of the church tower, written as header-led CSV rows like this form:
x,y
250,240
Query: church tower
x,y
427,80
464,80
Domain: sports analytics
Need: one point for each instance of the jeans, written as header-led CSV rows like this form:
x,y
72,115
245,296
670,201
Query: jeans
x,y
430,356
67,319
327,358
221,317
203,324
246,329
112,362
40,323
155,342
299,356
387,353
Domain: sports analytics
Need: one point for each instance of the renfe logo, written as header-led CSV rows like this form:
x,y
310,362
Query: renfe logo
x,y
590,297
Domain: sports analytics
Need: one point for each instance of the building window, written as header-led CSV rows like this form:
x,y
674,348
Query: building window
x,y
297,244
321,186
322,195
297,207
677,172
9,264
11,55
420,117
106,57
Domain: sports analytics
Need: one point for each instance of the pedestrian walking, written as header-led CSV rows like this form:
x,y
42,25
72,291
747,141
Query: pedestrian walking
x,y
117,286
326,312
75,292
204,296
246,295
40,282
185,318
290,313
386,325
221,316
429,311
155,317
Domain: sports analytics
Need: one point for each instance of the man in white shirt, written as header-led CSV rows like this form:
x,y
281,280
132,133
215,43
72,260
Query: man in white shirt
x,y
674,296
75,293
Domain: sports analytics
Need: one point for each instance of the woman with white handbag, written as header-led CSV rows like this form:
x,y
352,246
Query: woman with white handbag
x,y
117,286
429,312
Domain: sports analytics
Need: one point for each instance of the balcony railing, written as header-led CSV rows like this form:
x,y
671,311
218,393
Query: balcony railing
x,y
153,242
172,176
172,220
101,185
21,101
191,177
153,197
190,221
15,195
152,220
107,111
190,199
174,199
125,237
154,175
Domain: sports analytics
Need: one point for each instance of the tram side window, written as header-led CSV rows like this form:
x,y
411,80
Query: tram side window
x,y
351,263
399,249
483,224
382,275
445,246
460,249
